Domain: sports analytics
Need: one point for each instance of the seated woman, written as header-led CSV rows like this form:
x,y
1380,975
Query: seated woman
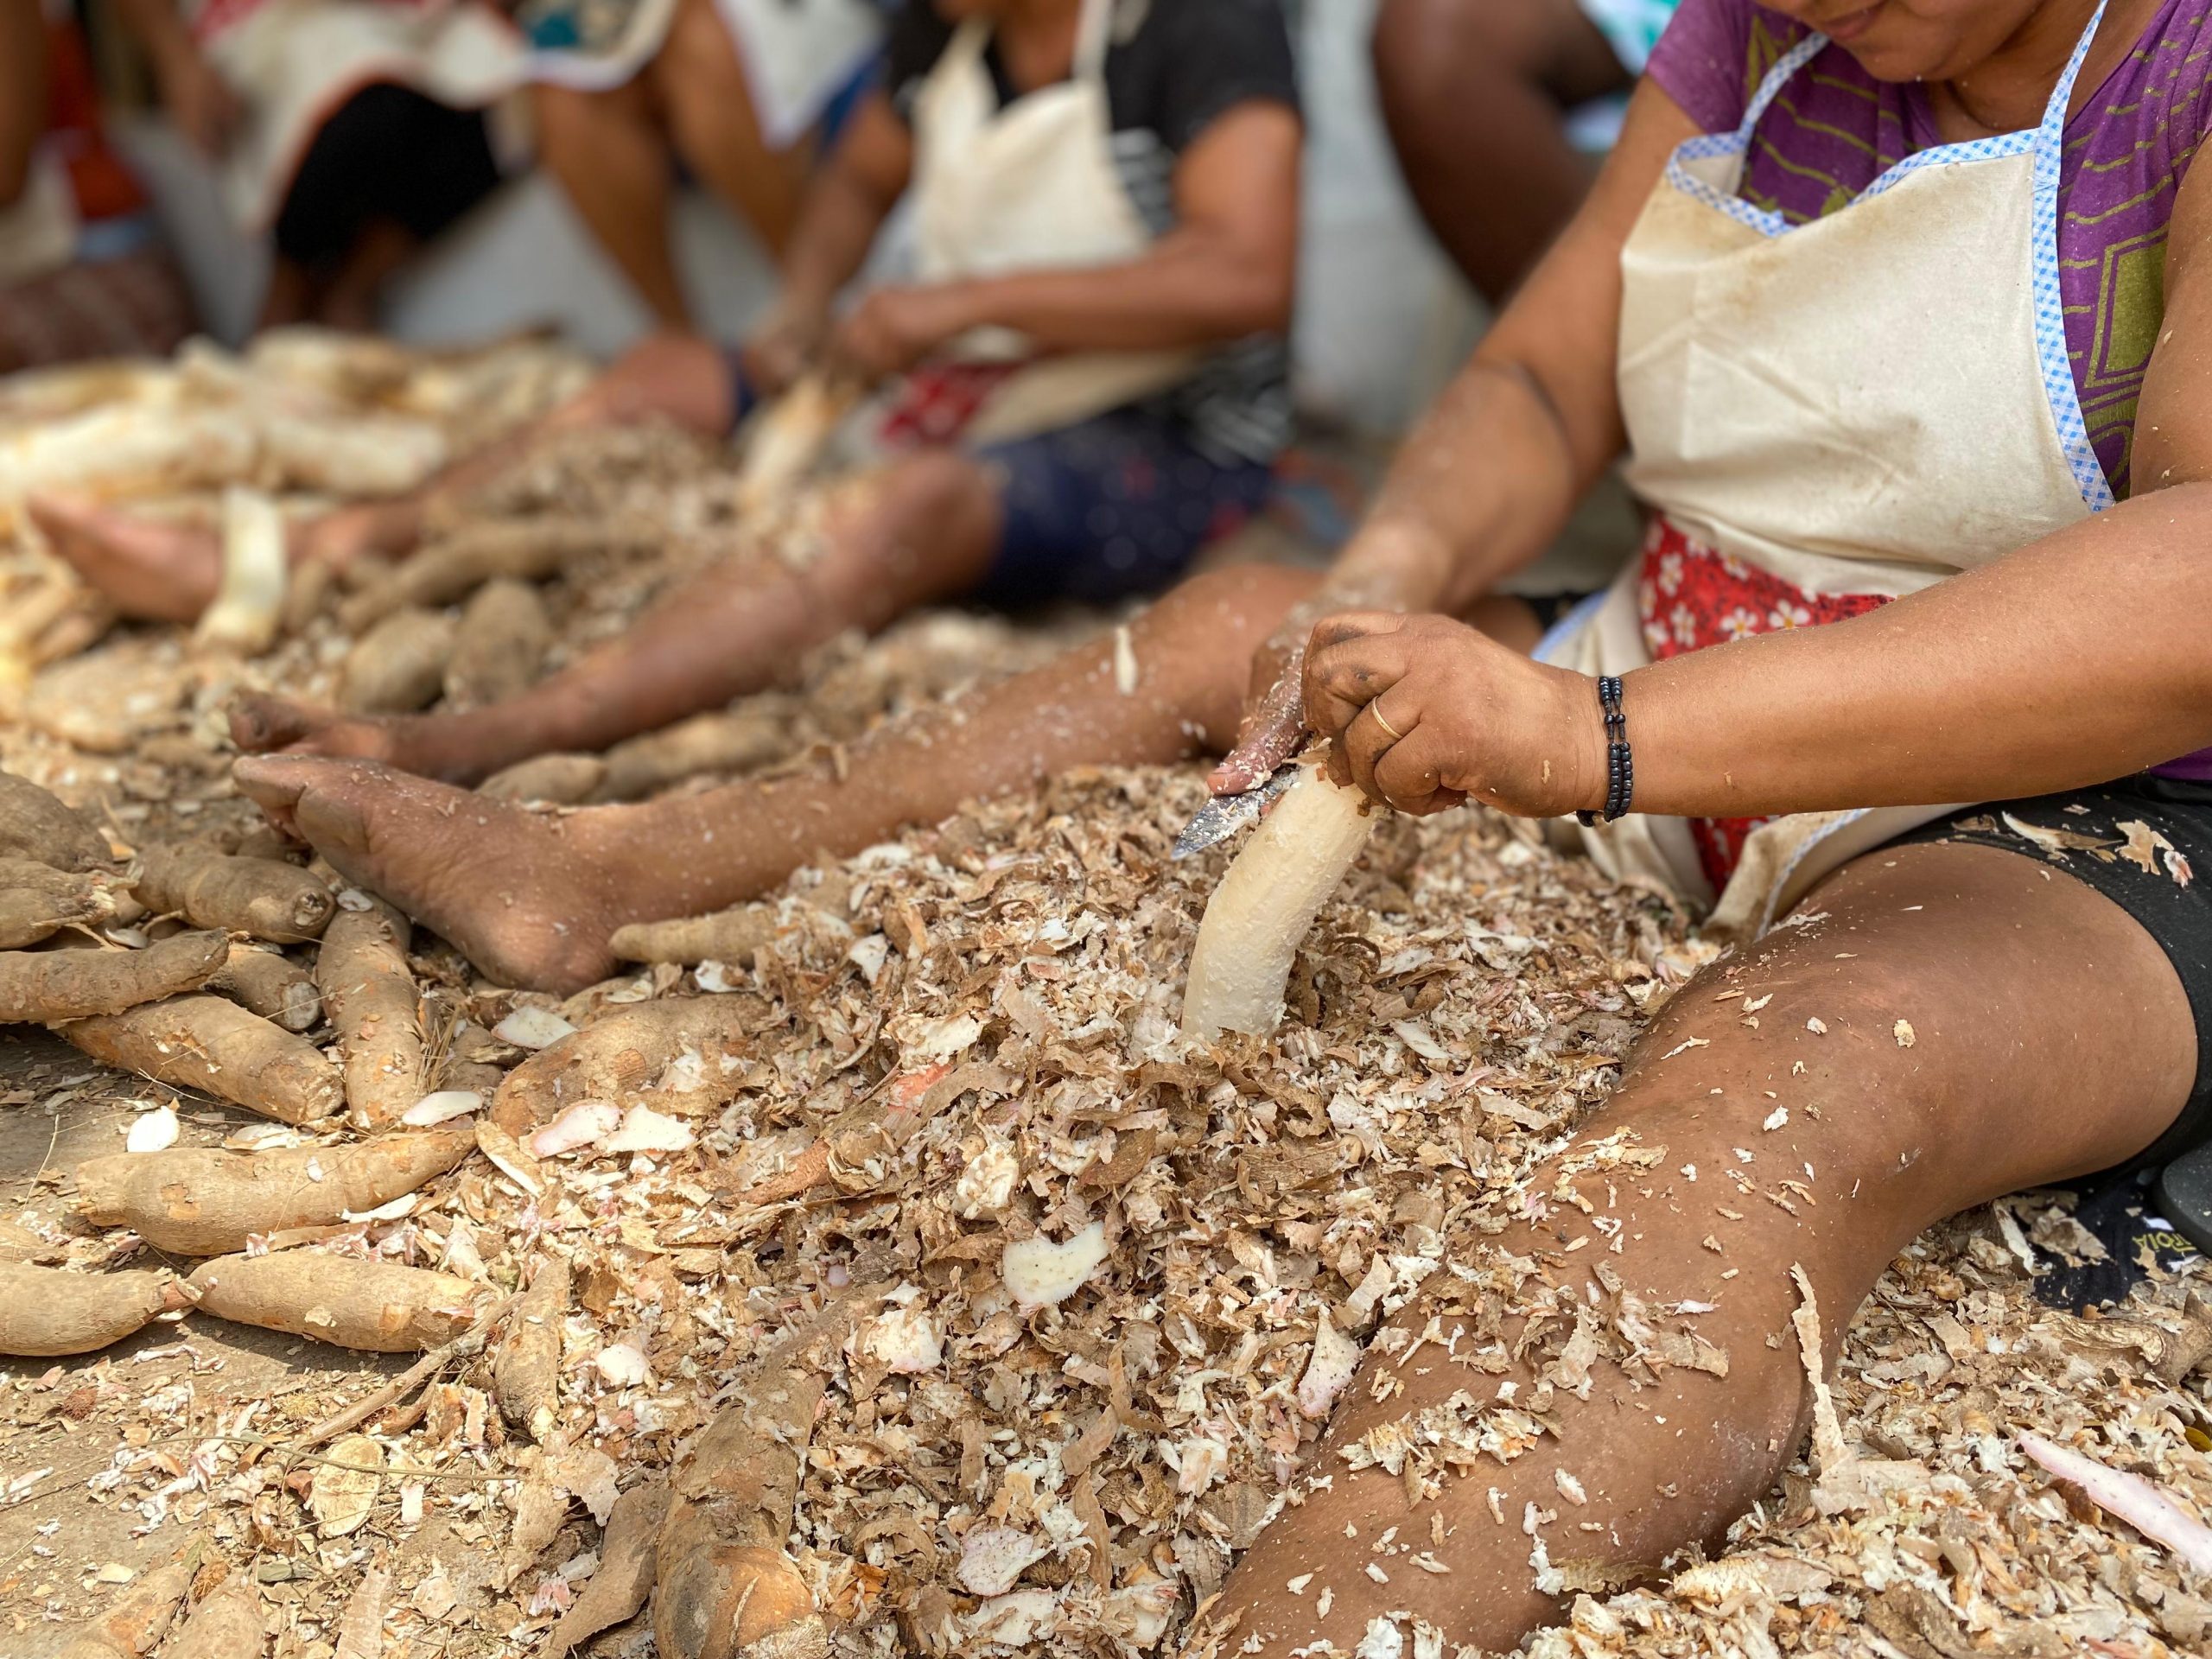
x,y
83,273
351,132
1478,95
1912,365
745,93
1088,383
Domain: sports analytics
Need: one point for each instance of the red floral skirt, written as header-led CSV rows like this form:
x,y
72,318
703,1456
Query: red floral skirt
x,y
1692,596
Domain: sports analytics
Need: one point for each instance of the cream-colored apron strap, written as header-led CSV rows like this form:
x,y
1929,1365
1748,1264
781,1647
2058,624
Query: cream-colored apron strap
x,y
1093,38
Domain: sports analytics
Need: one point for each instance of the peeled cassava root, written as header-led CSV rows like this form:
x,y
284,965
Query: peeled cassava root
x,y
40,987
250,604
378,1306
1265,906
190,1202
370,994
36,826
695,1041
198,1041
270,900
53,1311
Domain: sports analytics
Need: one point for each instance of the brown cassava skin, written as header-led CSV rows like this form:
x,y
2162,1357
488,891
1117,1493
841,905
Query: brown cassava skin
x,y
378,1306
198,1041
37,901
399,665
36,826
617,1055
133,1628
501,644
56,1311
714,742
526,1370
624,1578
728,936
229,1623
281,903
193,1202
530,550
39,987
556,780
369,992
270,984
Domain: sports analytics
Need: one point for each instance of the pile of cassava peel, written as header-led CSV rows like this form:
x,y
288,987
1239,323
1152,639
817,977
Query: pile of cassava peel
x,y
894,1282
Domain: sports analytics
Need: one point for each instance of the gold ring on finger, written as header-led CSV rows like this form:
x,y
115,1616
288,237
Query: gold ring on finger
x,y
1376,710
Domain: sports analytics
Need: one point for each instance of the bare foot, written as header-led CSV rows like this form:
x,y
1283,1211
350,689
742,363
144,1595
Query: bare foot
x,y
162,572
527,896
261,724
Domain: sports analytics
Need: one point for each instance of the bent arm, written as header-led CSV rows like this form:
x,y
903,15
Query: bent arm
x,y
850,199
1490,476
1228,269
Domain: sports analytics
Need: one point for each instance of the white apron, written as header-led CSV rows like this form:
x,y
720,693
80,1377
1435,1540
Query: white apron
x,y
296,63
1862,404
1030,187
38,232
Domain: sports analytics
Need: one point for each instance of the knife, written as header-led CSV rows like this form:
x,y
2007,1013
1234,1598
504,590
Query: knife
x,y
1225,815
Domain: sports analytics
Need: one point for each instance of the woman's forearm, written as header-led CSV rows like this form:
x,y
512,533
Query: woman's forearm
x,y
1189,289
2078,660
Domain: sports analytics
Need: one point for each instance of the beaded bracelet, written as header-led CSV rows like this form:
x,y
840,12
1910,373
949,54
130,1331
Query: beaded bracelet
x,y
1620,762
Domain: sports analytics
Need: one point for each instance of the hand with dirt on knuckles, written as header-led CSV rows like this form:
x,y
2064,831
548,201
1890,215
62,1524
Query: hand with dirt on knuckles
x,y
1424,713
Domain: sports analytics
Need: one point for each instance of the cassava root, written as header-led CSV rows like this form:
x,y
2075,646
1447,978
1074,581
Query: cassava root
x,y
45,1311
281,903
42,987
36,826
198,1041
370,994
376,1306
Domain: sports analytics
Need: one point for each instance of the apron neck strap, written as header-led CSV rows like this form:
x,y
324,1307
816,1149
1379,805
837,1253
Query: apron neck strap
x,y
1791,61
1093,32
2062,95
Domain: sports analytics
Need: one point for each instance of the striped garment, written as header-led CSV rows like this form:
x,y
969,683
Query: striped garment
x,y
1835,129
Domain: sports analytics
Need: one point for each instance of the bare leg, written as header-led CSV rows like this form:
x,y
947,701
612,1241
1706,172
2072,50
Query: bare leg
x,y
2051,1038
610,153
533,897
1474,91
169,572
709,105
922,531
350,302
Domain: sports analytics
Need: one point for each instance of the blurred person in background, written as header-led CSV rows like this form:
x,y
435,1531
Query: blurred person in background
x,y
83,273
1478,94
746,95
350,131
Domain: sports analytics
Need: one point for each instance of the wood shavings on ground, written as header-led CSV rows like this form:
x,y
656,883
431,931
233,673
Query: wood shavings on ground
x,y
1076,1297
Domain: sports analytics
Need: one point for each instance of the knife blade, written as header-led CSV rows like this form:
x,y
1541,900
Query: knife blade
x,y
1226,815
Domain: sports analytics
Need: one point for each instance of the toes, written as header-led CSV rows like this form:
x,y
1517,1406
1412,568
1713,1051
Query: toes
x,y
317,800
260,723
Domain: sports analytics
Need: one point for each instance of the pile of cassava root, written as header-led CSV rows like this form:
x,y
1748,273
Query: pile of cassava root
x,y
883,1272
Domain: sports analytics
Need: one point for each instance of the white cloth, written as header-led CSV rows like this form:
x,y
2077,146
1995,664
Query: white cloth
x,y
296,63
1865,404
38,231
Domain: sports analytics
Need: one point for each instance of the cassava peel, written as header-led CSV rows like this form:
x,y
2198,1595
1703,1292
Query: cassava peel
x,y
270,900
42,987
378,1306
198,1041
193,1202
624,1578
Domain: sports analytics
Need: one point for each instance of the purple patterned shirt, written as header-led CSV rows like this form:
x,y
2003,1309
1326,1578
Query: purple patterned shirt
x,y
1834,129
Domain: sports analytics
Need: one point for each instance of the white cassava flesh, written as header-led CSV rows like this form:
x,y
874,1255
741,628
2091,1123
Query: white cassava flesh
x,y
1263,907
247,609
1040,1273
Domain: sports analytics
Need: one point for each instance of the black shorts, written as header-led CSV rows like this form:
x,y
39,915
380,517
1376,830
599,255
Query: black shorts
x,y
387,153
2104,836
